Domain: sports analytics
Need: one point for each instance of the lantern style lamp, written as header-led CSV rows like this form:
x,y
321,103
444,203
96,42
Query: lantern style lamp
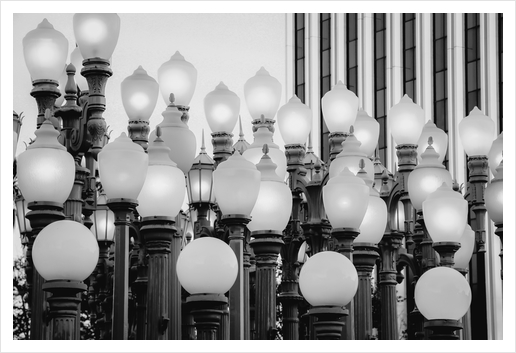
x,y
443,296
328,281
65,253
103,226
96,34
207,268
263,136
439,141
222,108
23,223
445,214
177,136
495,154
262,95
406,120
350,158
476,133
367,131
427,177
340,108
76,59
464,254
139,97
295,122
179,77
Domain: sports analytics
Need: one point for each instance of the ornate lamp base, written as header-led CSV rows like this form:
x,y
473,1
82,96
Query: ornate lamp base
x,y
328,325
206,314
443,329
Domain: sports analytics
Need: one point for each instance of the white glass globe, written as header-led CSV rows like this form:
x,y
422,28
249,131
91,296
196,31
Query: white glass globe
x,y
494,197
96,34
476,132
440,141
65,250
442,293
262,95
445,213
406,120
207,265
294,121
222,108
328,278
367,131
122,168
340,108
139,95
495,154
179,77
467,243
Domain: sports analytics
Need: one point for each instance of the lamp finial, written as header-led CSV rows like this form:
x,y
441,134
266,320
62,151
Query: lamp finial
x,y
172,98
265,149
351,130
430,141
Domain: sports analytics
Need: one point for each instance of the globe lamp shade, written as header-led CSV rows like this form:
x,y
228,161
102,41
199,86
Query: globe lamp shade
x,y
274,203
476,132
96,34
340,108
350,158
262,95
367,131
494,197
76,59
45,51
139,95
46,171
406,120
427,177
254,153
345,199
467,243
222,108
164,189
439,139
65,250
442,293
294,121
207,265
123,167
445,214
103,226
236,184
179,77
495,154
328,278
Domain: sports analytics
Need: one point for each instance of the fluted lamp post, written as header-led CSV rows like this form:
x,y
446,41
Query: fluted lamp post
x,y
236,184
269,217
207,268
65,254
122,169
328,281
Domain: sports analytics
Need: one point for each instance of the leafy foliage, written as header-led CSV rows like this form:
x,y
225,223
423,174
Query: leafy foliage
x,y
21,311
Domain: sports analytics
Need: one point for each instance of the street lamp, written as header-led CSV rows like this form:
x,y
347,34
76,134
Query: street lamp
x,y
294,121
262,95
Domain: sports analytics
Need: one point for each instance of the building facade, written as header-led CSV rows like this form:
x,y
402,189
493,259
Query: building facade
x,y
447,63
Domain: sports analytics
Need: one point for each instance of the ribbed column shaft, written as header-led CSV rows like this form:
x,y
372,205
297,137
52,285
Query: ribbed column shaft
x,y
175,290
265,307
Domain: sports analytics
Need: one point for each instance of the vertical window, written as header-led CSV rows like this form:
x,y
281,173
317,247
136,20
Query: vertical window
x,y
380,86
409,55
325,67
440,70
472,56
500,70
299,22
351,52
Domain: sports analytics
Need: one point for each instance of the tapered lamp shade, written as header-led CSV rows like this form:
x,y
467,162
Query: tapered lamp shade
x,y
445,214
164,189
179,77
367,131
63,78
328,278
222,108
274,203
442,293
45,51
103,218
262,95
207,265
123,167
467,243
200,178
427,177
254,153
495,154
350,158
96,34
236,183
46,171
76,59
345,199
294,121
494,197
440,141
476,132
139,95
406,120
340,108
178,137
373,225
65,250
